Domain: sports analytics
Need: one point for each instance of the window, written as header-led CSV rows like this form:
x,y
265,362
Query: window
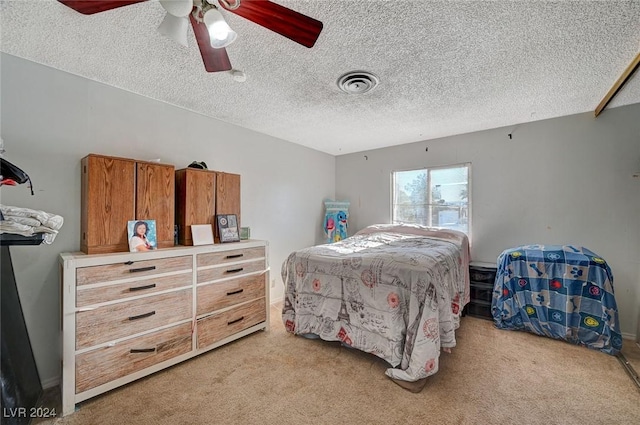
x,y
434,197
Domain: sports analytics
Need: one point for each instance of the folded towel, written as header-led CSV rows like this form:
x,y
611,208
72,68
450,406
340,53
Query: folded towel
x,y
27,222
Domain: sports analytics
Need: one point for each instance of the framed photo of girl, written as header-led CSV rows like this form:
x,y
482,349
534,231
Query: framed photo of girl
x,y
142,235
228,228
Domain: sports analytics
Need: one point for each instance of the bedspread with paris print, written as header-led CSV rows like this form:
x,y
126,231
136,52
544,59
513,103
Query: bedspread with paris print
x,y
563,292
396,291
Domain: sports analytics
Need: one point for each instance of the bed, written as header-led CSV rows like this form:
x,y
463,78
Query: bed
x,y
562,292
395,291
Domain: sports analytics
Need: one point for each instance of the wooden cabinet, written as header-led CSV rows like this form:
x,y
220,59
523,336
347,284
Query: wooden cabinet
x,y
116,190
155,199
200,196
107,203
195,201
127,315
228,194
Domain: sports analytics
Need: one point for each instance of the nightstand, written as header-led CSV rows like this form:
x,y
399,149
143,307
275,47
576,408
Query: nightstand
x,y
482,277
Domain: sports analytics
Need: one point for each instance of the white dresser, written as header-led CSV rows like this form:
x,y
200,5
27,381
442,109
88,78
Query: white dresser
x,y
126,315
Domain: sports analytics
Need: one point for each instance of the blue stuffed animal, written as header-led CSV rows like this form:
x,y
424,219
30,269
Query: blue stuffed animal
x,y
341,226
335,220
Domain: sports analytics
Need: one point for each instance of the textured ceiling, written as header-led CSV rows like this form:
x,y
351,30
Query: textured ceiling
x,y
445,67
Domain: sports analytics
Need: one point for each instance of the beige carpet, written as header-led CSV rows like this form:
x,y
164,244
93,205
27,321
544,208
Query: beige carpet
x,y
492,377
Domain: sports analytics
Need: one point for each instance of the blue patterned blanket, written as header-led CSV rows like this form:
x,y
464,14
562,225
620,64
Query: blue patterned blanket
x,y
563,292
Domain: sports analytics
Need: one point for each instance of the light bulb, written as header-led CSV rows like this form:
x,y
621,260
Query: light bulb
x,y
219,30
175,28
220,34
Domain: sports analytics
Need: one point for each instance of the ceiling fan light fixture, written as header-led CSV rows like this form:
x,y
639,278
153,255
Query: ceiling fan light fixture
x,y
220,33
179,8
175,28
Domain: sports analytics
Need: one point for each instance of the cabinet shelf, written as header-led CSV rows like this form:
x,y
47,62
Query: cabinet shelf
x,y
482,278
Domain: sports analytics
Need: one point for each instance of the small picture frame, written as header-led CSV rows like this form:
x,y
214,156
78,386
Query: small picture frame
x,y
202,234
142,235
228,228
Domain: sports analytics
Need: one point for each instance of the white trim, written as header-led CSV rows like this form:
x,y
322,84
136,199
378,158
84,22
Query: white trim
x,y
51,382
278,300
85,260
626,335
428,170
68,385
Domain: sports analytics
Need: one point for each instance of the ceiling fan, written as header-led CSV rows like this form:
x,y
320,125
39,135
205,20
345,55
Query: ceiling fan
x,y
211,30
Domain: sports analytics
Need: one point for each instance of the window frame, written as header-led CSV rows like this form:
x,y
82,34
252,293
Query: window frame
x,y
428,169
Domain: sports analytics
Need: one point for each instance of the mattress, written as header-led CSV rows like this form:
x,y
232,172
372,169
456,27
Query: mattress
x,y
396,291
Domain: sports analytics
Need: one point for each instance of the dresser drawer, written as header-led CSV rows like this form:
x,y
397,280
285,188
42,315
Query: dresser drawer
x,y
216,296
482,274
86,296
119,320
481,309
219,326
214,258
132,269
481,291
105,364
230,270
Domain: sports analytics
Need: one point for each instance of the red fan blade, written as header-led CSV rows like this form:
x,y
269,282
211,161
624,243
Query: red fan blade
x,y
215,60
289,23
89,7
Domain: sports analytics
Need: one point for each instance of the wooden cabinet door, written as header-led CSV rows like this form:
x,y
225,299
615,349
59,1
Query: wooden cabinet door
x,y
108,203
195,200
155,199
227,195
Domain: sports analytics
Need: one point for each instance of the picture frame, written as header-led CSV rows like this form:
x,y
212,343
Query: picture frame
x,y
228,228
142,239
202,234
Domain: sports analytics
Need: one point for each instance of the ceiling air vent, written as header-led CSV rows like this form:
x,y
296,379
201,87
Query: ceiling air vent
x,y
357,82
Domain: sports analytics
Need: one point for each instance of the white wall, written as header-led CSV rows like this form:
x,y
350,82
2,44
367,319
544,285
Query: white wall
x,y
566,180
560,181
51,119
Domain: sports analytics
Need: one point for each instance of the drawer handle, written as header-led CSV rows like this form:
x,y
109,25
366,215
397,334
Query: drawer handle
x,y
234,256
235,270
239,291
142,350
140,288
235,321
128,263
142,269
142,316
